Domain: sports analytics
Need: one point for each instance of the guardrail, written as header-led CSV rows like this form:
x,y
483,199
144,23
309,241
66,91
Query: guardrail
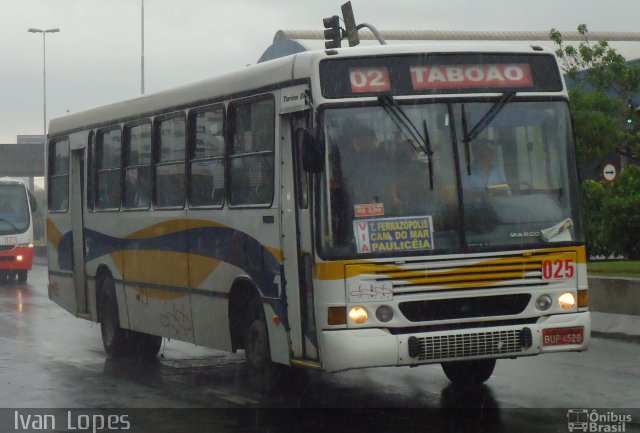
x,y
614,303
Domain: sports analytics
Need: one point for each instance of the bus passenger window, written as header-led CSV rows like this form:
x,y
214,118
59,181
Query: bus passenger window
x,y
108,152
59,175
206,154
252,153
137,162
170,167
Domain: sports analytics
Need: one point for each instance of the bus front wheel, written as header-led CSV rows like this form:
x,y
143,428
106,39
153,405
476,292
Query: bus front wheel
x,y
263,374
469,373
114,339
22,276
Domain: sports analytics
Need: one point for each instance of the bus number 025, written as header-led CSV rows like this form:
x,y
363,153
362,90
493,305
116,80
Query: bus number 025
x,y
369,80
558,269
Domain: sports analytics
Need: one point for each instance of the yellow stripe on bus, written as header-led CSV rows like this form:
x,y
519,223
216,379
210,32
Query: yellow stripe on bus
x,y
53,234
492,270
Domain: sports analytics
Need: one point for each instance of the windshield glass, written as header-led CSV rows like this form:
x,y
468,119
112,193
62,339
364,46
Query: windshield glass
x,y
508,186
14,209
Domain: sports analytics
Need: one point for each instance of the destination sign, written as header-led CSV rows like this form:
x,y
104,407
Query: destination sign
x,y
439,73
470,76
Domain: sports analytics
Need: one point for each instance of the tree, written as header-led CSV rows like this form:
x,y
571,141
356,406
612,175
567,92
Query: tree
x,y
620,209
602,88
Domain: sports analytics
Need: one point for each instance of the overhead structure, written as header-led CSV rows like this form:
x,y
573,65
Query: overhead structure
x,y
465,35
290,41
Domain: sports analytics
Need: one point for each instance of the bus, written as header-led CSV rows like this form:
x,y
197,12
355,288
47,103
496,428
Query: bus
x,y
16,230
321,210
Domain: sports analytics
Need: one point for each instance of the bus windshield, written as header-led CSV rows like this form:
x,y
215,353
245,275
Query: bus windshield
x,y
14,209
382,194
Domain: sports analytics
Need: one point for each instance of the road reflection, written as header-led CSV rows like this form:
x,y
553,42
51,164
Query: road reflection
x,y
16,297
308,402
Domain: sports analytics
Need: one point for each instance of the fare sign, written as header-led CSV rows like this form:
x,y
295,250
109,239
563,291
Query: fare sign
x,y
471,76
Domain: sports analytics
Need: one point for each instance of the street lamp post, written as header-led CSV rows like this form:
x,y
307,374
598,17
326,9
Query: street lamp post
x,y
44,74
142,49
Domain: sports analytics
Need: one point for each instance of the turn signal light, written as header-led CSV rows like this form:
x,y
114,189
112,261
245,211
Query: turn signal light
x,y
583,298
337,316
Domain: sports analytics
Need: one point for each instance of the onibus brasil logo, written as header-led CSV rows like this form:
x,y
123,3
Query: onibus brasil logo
x,y
594,421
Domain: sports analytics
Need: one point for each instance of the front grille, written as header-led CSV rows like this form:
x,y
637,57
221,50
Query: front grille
x,y
471,344
6,258
6,247
462,308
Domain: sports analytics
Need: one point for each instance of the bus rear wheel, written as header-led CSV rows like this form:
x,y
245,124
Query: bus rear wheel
x,y
114,339
264,375
145,345
469,373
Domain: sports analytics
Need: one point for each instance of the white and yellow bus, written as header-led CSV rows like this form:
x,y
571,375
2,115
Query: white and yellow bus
x,y
392,205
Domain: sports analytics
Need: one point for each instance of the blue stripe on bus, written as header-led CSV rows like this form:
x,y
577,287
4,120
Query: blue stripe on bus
x,y
221,243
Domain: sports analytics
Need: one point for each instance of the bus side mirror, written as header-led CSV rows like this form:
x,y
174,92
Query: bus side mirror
x,y
312,152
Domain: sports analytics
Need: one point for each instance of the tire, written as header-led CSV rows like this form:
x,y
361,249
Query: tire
x,y
469,373
145,345
114,339
264,375
22,276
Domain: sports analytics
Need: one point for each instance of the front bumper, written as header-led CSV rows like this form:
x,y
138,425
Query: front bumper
x,y
373,347
18,259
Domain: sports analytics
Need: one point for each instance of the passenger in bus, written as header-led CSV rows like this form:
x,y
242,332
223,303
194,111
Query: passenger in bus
x,y
384,172
359,176
260,174
143,193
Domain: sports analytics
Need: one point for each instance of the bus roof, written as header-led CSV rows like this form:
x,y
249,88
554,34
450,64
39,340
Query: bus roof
x,y
268,74
11,181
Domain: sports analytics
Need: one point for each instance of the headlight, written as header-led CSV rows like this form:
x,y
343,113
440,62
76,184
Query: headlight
x,y
543,303
384,313
358,315
567,301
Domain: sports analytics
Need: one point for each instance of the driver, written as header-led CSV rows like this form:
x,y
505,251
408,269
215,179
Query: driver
x,y
486,175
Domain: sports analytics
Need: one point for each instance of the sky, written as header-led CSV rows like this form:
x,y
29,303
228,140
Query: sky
x,y
95,59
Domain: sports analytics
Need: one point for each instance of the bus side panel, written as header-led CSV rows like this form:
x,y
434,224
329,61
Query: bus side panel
x,y
155,262
210,279
228,246
103,255
59,255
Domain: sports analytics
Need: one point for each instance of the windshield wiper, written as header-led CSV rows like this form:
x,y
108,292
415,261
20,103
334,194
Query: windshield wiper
x,y
427,143
488,117
404,124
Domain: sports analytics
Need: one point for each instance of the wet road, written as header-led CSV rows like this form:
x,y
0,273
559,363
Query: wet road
x,y
49,359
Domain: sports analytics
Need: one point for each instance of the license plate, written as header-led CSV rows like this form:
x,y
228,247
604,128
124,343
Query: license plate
x,y
562,336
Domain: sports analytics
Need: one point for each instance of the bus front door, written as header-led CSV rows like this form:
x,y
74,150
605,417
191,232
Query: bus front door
x,y
300,269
